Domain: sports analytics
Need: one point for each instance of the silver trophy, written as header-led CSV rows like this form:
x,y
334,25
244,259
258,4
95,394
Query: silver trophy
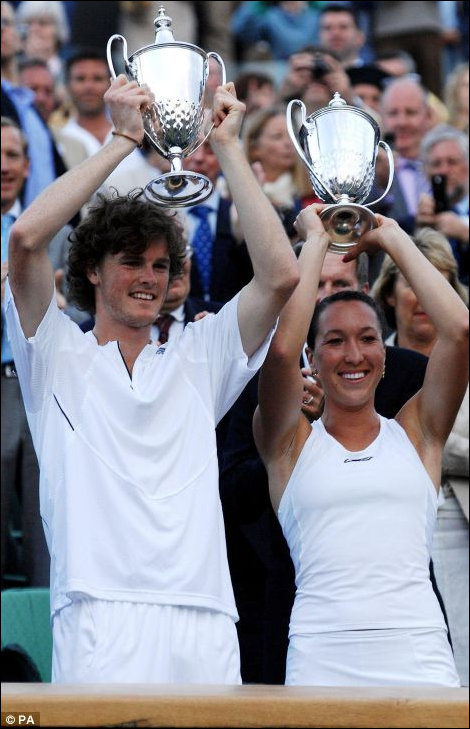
x,y
176,73
339,146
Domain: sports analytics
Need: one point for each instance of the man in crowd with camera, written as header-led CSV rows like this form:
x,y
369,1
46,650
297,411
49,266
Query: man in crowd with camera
x,y
444,152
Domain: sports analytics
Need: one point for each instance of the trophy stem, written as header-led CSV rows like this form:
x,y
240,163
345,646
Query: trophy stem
x,y
175,155
346,222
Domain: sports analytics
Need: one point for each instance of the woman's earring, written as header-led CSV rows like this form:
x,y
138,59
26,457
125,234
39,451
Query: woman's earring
x,y
383,372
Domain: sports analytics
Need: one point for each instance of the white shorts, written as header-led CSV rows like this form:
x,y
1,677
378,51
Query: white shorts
x,y
371,658
101,641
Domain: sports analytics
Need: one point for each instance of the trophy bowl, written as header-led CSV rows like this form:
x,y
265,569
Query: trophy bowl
x,y
339,146
176,73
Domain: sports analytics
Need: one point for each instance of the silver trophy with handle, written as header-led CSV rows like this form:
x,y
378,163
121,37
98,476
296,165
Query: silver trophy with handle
x,y
176,73
339,146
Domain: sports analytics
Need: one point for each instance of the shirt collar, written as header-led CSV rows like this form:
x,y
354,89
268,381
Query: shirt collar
x,y
20,92
461,207
178,313
404,163
15,210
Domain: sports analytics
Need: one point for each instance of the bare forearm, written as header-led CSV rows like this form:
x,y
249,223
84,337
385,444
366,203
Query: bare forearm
x,y
297,313
269,248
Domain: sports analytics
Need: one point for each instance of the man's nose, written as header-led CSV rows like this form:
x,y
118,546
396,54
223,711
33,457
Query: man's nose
x,y
148,273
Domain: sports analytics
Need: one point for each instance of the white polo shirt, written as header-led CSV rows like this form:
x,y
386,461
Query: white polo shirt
x,y
129,474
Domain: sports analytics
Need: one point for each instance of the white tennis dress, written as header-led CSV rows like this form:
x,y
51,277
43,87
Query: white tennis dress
x,y
359,527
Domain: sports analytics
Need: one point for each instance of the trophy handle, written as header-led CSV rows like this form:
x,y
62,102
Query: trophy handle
x,y
391,165
295,142
213,54
109,56
130,76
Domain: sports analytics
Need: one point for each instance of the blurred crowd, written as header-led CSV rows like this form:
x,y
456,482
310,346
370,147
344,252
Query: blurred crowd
x,y
403,63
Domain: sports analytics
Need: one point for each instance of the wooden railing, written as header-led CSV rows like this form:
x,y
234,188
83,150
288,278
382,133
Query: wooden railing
x,y
238,706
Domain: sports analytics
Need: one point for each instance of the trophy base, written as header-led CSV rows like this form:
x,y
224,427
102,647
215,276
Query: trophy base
x,y
179,189
345,224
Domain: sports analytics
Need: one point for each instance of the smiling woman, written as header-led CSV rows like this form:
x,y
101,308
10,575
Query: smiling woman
x,y
346,340
356,493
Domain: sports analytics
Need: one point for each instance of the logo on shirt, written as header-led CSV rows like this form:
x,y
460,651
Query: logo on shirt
x,y
356,460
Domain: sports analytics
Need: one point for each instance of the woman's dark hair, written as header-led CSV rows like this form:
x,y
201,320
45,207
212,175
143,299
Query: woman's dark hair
x,y
114,225
342,296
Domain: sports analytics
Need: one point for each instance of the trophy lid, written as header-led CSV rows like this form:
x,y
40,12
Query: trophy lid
x,y
337,101
163,29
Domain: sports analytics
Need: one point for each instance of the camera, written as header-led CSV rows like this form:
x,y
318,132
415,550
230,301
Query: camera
x,y
319,68
439,192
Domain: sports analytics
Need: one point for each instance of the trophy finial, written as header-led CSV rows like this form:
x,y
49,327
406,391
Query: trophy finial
x,y
163,29
337,100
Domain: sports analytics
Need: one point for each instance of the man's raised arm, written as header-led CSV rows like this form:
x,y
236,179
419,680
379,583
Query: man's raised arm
x,y
274,263
30,272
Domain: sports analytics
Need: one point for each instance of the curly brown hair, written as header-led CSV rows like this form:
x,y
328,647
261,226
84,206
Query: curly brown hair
x,y
113,225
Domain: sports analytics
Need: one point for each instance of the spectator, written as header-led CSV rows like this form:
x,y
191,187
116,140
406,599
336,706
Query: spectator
x,y
456,97
47,31
406,116
34,74
356,494
179,307
268,144
220,265
256,90
285,27
340,34
17,104
368,83
415,330
444,151
396,63
314,75
124,416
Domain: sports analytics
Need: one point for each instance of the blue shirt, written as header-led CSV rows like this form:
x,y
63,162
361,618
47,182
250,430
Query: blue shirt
x,y
7,221
40,147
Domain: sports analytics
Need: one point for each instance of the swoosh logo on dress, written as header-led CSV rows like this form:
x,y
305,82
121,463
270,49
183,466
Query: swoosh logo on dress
x,y
356,460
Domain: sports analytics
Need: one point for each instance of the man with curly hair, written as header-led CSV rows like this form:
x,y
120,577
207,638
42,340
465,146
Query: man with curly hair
x,y
124,428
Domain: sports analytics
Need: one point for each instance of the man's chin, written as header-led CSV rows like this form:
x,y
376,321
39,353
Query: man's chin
x,y
457,194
